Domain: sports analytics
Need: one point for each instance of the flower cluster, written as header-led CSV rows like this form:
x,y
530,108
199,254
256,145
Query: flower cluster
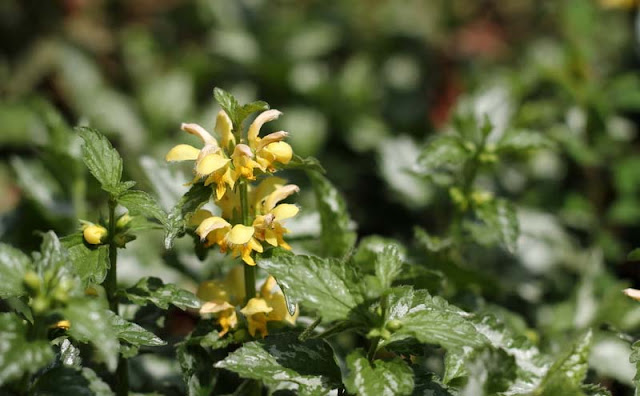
x,y
239,166
222,297
230,164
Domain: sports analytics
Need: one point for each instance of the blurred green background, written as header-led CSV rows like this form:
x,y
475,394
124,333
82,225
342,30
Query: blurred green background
x,y
363,85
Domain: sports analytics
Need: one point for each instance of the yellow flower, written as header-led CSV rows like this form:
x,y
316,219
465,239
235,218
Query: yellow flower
x,y
270,148
239,238
221,297
243,162
94,234
268,225
269,307
61,324
619,3
210,161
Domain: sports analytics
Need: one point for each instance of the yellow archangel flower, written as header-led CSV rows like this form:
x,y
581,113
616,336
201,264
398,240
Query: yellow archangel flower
x,y
268,307
239,238
211,161
218,299
270,148
268,225
619,3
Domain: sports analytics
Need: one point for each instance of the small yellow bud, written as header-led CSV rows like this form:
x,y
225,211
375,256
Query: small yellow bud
x,y
394,325
281,151
457,196
123,221
62,324
32,280
481,197
94,234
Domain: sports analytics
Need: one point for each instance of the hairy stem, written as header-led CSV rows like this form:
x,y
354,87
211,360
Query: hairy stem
x,y
249,270
121,380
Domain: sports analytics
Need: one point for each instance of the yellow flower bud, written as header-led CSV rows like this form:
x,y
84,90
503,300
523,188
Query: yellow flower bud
x,y
281,151
94,234
123,221
32,280
62,324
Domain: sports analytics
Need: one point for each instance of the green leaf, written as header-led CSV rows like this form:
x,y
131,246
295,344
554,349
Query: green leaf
x,y
500,218
102,159
196,366
17,354
634,255
191,201
490,371
70,381
132,333
13,266
91,323
443,159
634,358
521,141
430,242
306,163
90,264
140,203
566,374
338,237
153,290
243,112
388,265
430,320
39,184
228,103
392,377
284,362
323,285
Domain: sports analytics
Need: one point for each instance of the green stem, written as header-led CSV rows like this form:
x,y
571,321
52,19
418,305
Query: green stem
x,y
373,348
121,380
249,270
111,282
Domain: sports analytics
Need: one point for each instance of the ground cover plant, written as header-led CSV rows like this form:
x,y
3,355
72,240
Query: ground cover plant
x,y
355,198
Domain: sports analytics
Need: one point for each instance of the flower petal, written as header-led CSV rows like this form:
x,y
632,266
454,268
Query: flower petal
x,y
199,216
215,306
210,224
271,138
200,132
254,128
256,305
282,151
240,234
285,211
182,152
224,128
210,164
278,195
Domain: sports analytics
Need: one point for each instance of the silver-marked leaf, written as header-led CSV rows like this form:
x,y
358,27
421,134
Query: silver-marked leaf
x,y
17,354
500,218
566,374
132,333
70,381
388,264
306,163
521,141
283,361
153,290
323,285
13,266
338,237
430,320
90,323
443,159
383,378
